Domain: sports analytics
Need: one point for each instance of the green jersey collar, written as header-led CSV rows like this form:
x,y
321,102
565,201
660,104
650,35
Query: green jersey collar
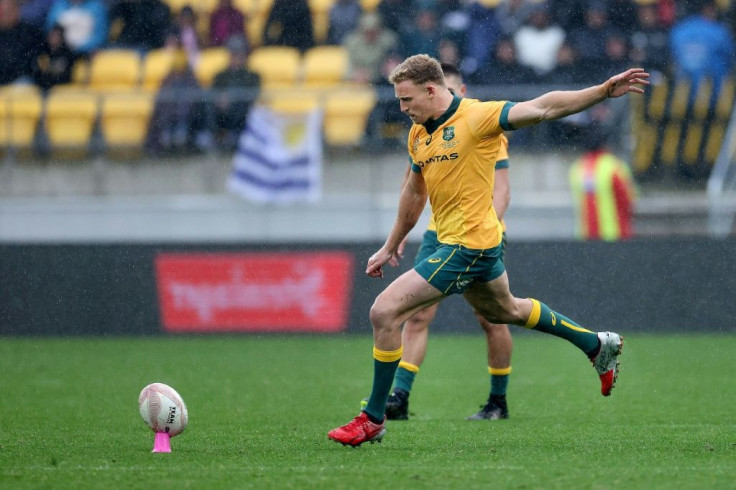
x,y
431,125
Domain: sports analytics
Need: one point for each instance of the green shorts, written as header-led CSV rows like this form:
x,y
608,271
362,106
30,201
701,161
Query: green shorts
x,y
452,268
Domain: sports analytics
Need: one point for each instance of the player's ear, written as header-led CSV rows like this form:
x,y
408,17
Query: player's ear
x,y
431,89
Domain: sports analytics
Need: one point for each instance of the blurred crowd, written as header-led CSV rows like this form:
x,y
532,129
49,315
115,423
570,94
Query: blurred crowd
x,y
561,42
492,41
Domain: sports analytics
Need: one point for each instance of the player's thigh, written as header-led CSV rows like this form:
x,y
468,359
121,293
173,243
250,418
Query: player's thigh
x,y
404,297
493,300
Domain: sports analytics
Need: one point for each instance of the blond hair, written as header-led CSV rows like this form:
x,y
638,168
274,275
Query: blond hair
x,y
420,69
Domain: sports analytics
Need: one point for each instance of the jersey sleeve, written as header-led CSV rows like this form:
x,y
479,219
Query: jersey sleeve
x,y
410,147
502,159
489,118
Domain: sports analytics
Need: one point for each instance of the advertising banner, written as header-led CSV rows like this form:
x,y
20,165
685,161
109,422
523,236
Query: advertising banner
x,y
264,292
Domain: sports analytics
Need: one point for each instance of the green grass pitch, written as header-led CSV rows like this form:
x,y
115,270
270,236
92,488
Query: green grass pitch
x,y
260,409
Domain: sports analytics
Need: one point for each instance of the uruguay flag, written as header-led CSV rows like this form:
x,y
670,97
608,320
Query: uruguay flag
x,y
279,157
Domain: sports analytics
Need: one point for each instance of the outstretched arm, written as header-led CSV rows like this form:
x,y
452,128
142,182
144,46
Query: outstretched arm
x,y
558,104
411,204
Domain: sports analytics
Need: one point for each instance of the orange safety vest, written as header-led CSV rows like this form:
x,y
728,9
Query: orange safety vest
x,y
604,193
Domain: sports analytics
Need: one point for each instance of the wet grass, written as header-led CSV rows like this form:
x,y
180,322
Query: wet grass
x,y
260,408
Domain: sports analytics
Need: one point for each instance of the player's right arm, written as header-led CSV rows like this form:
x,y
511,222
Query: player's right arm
x,y
558,104
411,204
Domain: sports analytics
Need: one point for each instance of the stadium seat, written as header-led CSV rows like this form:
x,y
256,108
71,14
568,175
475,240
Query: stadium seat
x,y
715,140
278,66
671,139
346,115
292,101
20,111
701,104
320,10
256,13
80,72
369,5
691,145
325,66
115,69
124,119
211,62
679,102
70,119
646,145
156,66
176,5
658,101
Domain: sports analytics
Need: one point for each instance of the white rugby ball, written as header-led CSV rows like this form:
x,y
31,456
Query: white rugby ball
x,y
163,409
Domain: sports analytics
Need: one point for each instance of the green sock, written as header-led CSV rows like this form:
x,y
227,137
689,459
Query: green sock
x,y
405,374
499,382
384,368
549,321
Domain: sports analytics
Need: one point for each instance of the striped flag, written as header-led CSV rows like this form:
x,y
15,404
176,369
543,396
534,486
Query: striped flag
x,y
279,157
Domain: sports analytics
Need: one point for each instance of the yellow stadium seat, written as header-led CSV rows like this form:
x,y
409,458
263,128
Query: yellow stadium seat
x,y
325,66
70,119
369,5
668,153
658,101
176,5
256,13
701,105
278,66
725,99
80,72
292,101
253,7
115,69
20,111
680,97
156,66
124,119
693,138
320,10
346,115
211,62
646,145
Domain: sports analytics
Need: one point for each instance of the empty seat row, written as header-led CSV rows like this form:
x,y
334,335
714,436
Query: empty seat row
x,y
69,117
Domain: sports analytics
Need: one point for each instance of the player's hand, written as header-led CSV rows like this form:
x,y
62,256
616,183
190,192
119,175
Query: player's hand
x,y
376,262
394,260
626,82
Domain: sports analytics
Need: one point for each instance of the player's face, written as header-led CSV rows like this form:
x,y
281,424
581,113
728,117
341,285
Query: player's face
x,y
415,100
456,85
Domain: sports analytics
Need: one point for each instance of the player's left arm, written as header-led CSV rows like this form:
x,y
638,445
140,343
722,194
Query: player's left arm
x,y
558,104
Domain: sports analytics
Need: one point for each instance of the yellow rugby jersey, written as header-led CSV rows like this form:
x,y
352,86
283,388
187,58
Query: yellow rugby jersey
x,y
502,161
456,155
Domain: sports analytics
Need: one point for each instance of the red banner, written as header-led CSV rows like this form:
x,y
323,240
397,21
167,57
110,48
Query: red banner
x,y
280,292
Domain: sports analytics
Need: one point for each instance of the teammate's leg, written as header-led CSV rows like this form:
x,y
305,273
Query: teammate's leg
x,y
494,301
499,346
414,338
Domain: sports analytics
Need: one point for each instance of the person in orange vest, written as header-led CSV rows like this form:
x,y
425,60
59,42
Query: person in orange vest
x,y
603,191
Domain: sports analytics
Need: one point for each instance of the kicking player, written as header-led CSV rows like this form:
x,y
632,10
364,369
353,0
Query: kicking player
x,y
415,332
453,145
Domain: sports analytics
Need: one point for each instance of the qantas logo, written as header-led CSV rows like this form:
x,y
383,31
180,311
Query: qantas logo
x,y
438,158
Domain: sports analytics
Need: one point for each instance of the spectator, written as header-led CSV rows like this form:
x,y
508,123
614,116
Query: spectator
x,y
344,18
367,47
503,68
454,21
483,33
568,70
617,54
513,14
422,35
139,24
393,13
53,65
620,14
590,40
568,14
448,52
701,46
19,44
289,24
235,90
649,40
603,190
84,23
186,36
173,119
538,42
34,12
386,122
226,21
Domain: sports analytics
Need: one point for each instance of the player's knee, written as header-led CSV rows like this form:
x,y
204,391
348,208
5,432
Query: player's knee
x,y
381,314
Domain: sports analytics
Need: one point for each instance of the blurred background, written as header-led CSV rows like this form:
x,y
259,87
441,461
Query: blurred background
x,y
141,139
